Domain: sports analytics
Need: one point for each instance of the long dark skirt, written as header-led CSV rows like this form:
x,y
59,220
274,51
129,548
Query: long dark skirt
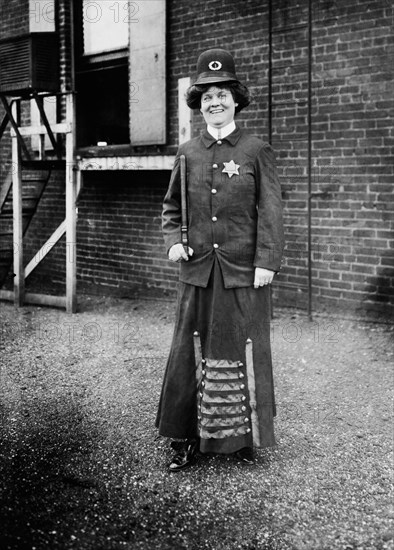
x,y
218,383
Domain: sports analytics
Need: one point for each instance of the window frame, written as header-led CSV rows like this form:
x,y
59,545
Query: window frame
x,y
85,63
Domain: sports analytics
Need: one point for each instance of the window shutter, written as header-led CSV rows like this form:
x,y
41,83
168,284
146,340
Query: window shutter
x,y
184,113
147,72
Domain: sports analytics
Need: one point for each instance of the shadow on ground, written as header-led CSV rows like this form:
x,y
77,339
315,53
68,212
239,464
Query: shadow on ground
x,y
41,485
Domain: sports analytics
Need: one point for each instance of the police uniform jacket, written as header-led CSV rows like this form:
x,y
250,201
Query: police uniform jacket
x,y
234,208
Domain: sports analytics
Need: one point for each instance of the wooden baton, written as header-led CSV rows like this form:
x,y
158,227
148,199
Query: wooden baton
x,y
184,233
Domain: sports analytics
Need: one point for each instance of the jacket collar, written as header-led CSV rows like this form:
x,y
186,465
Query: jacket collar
x,y
232,138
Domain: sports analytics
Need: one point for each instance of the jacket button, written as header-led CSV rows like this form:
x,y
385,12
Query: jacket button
x,y
214,219
215,166
215,246
213,191
219,142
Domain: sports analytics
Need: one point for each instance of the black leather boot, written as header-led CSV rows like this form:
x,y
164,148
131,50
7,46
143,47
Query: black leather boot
x,y
183,458
245,456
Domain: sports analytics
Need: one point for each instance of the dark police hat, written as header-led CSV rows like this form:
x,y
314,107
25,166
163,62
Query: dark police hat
x,y
215,65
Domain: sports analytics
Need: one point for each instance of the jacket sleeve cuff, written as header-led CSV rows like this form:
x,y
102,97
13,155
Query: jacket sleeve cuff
x,y
170,240
268,259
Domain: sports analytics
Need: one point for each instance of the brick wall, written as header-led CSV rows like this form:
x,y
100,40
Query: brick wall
x,y
120,244
352,177
14,17
352,207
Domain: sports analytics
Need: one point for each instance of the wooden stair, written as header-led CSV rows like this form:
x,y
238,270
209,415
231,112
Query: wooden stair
x,y
28,184
35,176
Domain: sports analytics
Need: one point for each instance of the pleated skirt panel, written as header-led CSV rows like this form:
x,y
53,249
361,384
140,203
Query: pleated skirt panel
x,y
218,383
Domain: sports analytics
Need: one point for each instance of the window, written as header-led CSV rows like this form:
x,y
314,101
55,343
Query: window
x,y
120,62
102,104
105,26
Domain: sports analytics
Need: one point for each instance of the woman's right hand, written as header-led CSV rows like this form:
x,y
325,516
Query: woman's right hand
x,y
177,253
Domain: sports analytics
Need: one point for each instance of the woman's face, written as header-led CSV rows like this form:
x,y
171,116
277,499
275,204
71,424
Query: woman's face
x,y
218,106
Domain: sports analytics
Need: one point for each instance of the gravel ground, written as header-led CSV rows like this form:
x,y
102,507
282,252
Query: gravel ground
x,y
82,466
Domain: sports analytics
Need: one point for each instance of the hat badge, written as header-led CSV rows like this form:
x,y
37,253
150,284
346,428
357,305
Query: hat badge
x,y
215,65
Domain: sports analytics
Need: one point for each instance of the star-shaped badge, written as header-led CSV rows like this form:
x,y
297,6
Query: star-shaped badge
x,y
231,168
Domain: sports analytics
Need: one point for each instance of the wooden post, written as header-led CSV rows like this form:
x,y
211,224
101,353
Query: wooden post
x,y
71,213
19,275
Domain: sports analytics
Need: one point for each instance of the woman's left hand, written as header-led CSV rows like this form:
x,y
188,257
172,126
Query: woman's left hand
x,y
262,277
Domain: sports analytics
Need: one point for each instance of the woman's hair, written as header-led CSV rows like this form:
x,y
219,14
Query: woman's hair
x,y
239,92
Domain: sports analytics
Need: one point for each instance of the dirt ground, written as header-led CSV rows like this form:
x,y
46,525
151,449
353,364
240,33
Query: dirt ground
x,y
82,466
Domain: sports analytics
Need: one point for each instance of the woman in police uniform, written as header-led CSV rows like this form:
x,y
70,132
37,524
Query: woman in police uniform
x,y
218,391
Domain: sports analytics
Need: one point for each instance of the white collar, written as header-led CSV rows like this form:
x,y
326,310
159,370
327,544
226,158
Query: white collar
x,y
220,133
